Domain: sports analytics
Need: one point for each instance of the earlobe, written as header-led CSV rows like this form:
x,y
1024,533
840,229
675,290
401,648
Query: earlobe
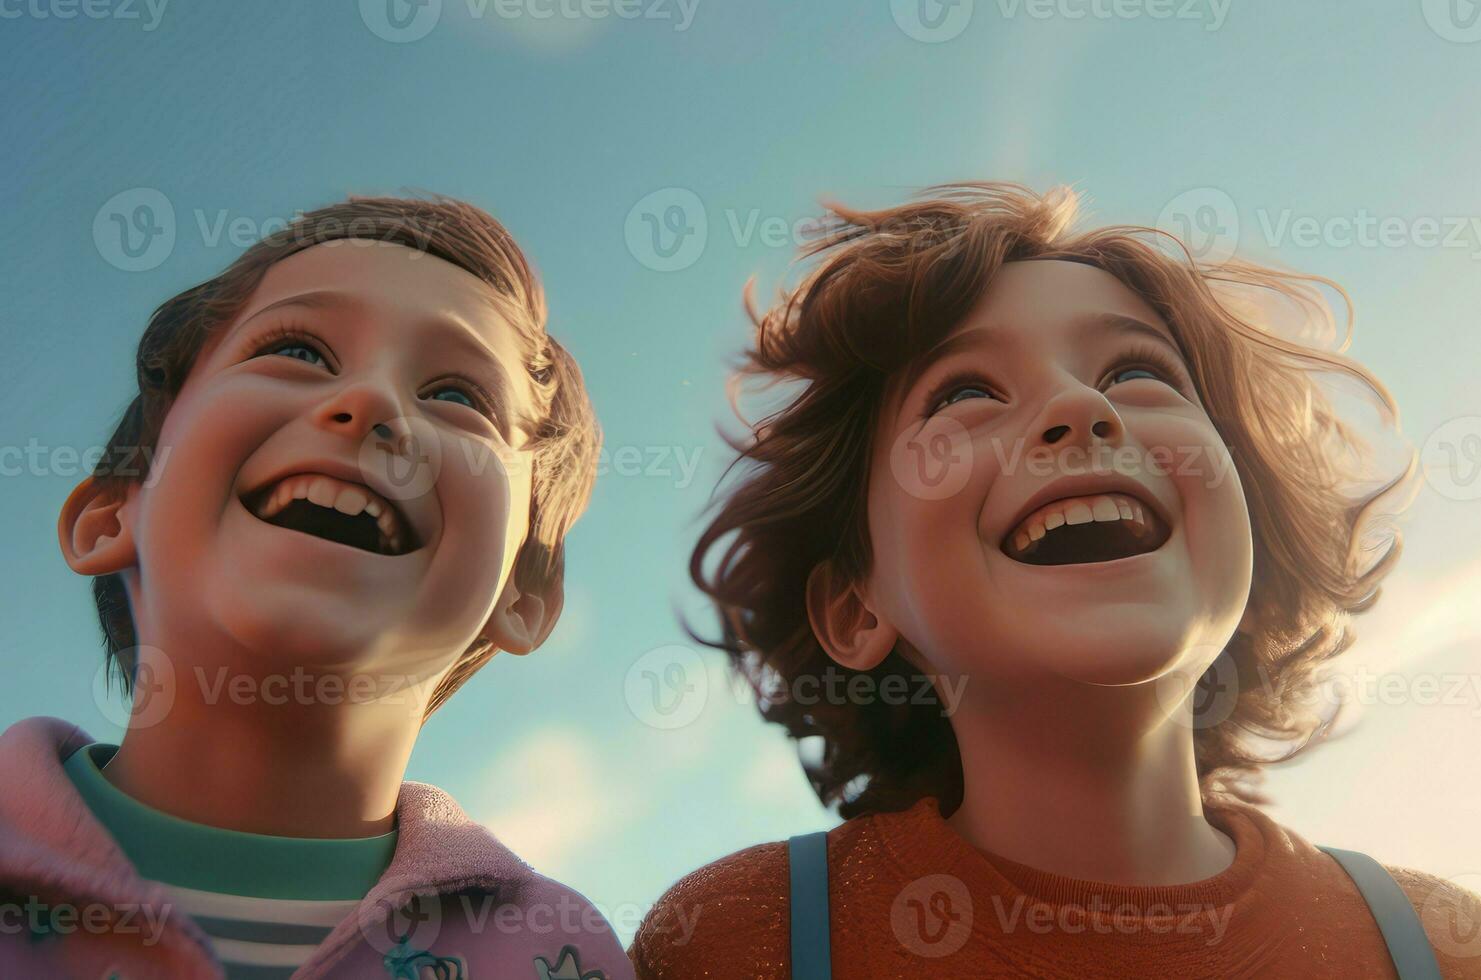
x,y
849,631
93,533
522,620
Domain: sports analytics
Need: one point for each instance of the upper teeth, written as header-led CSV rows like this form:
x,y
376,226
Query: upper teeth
x,y
1080,510
347,498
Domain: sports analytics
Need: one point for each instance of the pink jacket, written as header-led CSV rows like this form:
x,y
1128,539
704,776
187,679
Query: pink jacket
x,y
452,890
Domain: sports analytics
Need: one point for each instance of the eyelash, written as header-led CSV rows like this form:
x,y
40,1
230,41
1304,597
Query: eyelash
x,y
1149,357
290,335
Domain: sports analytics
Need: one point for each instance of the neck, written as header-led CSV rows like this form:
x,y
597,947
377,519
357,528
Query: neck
x,y
310,767
1089,782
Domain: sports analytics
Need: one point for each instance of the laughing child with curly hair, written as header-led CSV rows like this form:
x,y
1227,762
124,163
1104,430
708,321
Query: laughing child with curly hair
x,y
1076,483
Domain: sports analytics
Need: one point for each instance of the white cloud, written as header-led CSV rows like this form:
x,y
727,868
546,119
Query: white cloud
x,y
550,799
774,767
1418,616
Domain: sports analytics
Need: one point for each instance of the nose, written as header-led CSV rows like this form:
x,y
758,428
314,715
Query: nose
x,y
364,410
1080,416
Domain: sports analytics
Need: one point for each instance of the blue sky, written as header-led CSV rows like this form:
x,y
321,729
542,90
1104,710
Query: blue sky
x,y
1338,140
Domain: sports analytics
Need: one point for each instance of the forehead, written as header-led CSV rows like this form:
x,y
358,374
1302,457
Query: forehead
x,y
1041,305
1047,297
395,291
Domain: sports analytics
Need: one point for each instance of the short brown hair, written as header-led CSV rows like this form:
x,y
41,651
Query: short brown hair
x,y
888,286
565,442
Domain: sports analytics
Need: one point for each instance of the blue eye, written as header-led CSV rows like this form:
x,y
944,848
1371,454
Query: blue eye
x,y
290,342
300,346
456,391
296,351
960,387
1150,374
468,393
967,385
1154,363
962,394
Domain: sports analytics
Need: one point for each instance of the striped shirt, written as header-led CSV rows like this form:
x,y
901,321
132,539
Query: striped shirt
x,y
265,903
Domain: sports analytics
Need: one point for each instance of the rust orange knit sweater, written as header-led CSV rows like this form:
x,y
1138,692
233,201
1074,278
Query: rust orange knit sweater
x,y
910,898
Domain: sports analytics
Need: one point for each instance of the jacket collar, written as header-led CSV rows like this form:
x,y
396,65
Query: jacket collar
x,y
50,839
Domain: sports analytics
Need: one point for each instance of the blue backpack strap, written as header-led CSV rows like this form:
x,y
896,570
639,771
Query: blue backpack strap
x,y
1408,946
807,856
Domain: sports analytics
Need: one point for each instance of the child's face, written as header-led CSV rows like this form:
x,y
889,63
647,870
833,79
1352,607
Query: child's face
x,y
1024,400
376,393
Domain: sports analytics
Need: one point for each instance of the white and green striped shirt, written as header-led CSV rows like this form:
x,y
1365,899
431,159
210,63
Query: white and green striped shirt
x,y
265,903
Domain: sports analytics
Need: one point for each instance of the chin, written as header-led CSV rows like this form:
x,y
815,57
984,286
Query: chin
x,y
289,634
1122,652
1118,668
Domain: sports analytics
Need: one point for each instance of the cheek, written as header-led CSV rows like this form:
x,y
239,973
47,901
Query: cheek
x,y
484,497
1191,456
1215,515
927,568
206,437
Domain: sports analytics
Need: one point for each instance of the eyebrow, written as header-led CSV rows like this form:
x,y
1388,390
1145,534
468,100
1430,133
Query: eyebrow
x,y
1081,329
452,331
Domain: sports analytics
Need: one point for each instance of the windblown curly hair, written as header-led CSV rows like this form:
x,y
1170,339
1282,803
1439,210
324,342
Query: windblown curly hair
x,y
890,284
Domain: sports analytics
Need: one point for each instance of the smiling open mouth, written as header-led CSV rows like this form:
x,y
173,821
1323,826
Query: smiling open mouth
x,y
335,510
1084,530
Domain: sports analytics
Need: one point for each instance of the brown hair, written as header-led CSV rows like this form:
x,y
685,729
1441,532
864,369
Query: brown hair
x,y
564,444
888,285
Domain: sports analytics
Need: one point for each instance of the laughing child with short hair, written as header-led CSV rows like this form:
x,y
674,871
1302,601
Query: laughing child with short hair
x,y
342,488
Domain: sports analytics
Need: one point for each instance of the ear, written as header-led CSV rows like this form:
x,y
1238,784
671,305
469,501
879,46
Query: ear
x,y
94,532
522,620
850,631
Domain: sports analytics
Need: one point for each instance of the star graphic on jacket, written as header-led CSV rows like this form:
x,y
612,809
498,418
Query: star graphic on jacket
x,y
567,967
